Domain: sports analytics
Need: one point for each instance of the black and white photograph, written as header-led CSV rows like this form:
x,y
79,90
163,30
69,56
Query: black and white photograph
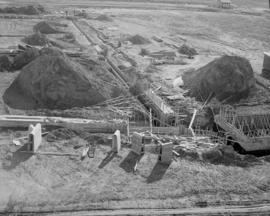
x,y
135,107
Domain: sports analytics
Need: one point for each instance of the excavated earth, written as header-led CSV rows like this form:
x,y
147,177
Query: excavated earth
x,y
52,80
230,78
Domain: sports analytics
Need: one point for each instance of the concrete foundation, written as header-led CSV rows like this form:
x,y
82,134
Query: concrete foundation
x,y
166,153
138,146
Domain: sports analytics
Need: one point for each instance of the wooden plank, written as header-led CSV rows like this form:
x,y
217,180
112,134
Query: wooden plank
x,y
92,126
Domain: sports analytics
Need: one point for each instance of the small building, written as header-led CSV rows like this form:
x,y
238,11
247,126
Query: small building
x,y
224,3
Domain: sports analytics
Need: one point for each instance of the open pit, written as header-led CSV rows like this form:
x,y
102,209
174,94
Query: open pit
x,y
134,107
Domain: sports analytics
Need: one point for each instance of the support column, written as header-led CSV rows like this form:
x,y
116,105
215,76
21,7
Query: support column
x,y
116,141
35,137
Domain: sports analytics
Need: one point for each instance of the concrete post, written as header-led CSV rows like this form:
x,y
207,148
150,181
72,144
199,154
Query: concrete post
x,y
116,141
35,137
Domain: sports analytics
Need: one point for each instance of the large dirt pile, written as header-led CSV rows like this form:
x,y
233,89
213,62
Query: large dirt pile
x,y
138,40
187,50
104,17
36,39
54,81
25,58
230,78
27,10
47,28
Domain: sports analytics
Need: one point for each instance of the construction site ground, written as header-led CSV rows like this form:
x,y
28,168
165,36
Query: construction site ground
x,y
34,183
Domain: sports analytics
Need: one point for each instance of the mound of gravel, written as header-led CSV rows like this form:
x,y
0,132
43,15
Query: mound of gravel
x,y
27,10
104,17
5,63
25,58
47,28
138,40
36,39
186,50
54,81
230,78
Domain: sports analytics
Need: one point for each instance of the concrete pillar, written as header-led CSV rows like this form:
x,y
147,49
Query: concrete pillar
x,y
116,141
266,66
137,145
34,137
166,153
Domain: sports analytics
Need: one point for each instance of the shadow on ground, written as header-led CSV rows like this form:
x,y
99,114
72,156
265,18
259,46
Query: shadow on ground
x,y
130,161
110,155
17,157
158,172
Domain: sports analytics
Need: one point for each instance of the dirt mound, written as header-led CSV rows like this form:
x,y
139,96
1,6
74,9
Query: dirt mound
x,y
5,63
54,81
68,37
138,40
230,78
25,58
47,28
186,50
36,39
27,10
104,17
